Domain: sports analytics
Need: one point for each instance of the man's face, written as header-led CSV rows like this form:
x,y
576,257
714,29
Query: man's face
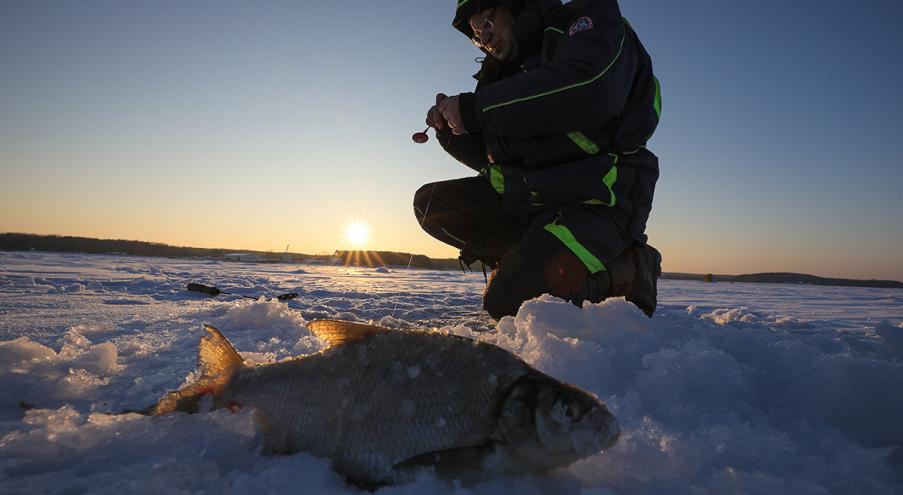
x,y
492,31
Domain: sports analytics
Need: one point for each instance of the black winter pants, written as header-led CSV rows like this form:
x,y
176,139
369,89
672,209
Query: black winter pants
x,y
468,214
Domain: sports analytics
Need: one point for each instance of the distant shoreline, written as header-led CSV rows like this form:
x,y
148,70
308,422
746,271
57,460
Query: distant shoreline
x,y
786,278
74,244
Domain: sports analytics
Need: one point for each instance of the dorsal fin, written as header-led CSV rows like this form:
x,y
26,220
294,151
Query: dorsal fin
x,y
342,332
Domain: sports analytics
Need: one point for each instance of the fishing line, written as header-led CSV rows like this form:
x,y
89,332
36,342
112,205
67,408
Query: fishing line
x,y
422,220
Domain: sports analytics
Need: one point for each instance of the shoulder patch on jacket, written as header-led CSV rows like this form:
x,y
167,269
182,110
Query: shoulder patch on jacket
x,y
581,24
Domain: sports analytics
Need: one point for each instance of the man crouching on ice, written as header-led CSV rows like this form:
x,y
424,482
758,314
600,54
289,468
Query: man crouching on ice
x,y
557,127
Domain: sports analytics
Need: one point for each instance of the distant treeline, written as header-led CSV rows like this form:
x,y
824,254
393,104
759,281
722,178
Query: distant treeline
x,y
26,242
56,243
786,278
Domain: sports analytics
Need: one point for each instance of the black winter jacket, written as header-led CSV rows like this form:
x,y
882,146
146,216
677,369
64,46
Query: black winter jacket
x,y
567,122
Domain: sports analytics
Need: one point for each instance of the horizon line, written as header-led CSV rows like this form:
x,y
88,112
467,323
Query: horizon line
x,y
235,250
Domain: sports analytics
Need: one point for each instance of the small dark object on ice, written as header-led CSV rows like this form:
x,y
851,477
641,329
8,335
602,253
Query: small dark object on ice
x,y
214,291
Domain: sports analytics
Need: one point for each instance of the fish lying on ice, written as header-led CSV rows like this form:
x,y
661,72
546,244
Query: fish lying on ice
x,y
381,403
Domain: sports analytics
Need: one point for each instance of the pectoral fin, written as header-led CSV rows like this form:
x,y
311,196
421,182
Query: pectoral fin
x,y
463,463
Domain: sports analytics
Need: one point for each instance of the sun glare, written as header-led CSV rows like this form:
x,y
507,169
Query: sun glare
x,y
357,235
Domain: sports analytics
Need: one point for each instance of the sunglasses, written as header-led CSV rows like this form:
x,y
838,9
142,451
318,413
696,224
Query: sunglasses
x,y
484,26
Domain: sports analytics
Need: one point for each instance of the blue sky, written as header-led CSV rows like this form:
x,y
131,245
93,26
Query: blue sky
x,y
256,125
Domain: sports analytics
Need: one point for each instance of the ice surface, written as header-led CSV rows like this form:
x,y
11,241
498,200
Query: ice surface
x,y
731,388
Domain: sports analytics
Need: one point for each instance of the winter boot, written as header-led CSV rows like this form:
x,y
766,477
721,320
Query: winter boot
x,y
644,290
633,274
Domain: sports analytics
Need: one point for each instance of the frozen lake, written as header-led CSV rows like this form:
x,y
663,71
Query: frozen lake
x,y
747,388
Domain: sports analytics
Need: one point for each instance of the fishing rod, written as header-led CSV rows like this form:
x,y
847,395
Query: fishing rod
x,y
215,291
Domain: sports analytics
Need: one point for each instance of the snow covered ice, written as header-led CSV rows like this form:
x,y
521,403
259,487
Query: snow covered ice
x,y
731,388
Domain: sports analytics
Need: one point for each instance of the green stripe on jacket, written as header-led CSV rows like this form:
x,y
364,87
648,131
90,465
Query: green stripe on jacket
x,y
565,235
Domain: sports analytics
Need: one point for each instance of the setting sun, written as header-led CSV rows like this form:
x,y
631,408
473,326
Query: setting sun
x,y
357,234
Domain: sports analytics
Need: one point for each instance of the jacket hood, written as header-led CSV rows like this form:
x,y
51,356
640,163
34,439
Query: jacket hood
x,y
467,8
528,18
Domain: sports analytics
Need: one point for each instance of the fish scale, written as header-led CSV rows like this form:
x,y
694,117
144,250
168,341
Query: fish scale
x,y
359,422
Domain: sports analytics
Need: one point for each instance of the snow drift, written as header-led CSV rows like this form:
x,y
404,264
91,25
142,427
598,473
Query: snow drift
x,y
744,390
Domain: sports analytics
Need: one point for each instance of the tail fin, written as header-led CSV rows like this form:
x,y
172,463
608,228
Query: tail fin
x,y
217,359
217,362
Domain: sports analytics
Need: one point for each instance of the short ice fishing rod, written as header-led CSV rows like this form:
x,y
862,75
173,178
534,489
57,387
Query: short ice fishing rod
x,y
214,291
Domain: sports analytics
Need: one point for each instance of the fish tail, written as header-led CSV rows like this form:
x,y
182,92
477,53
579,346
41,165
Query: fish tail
x,y
217,359
218,362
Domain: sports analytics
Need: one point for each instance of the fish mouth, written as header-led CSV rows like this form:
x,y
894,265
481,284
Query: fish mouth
x,y
595,432
592,432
